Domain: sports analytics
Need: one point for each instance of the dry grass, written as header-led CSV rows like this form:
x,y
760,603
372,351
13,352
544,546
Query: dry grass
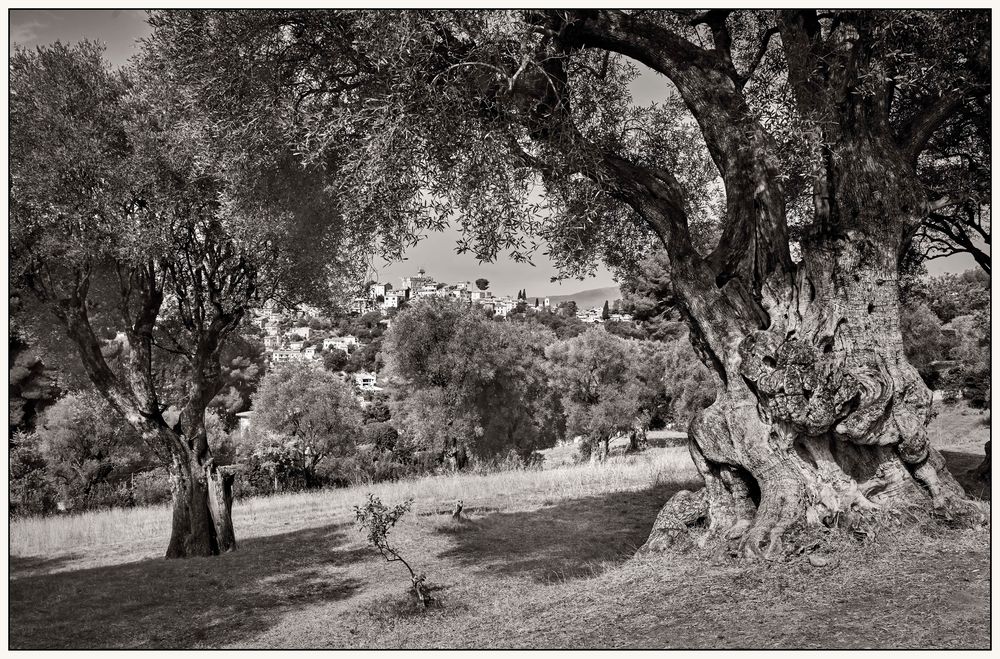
x,y
958,425
543,559
129,534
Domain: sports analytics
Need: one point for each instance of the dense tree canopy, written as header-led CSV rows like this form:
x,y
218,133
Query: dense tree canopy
x,y
312,408
608,385
123,226
87,450
480,108
467,385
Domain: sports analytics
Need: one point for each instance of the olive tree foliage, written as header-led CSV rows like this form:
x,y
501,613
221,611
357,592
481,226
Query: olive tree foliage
x,y
608,385
465,385
419,114
795,159
123,227
313,409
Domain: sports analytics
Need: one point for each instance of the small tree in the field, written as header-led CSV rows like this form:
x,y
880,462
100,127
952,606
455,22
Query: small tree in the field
x,y
377,520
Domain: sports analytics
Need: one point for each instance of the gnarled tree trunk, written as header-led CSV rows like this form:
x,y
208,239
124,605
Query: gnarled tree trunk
x,y
818,412
202,492
202,522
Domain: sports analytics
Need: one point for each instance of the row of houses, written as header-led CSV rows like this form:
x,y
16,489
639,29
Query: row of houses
x,y
384,298
297,351
596,314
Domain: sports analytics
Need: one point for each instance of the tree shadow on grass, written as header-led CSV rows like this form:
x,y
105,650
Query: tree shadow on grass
x,y
572,539
26,566
184,603
962,466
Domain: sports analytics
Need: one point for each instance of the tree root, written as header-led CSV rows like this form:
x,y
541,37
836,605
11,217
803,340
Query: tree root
x,y
671,530
420,590
777,533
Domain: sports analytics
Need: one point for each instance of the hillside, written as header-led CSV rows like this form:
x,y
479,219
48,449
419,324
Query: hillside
x,y
592,297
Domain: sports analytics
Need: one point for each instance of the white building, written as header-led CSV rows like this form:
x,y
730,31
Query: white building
x,y
427,290
340,343
301,331
286,356
310,352
296,345
272,341
504,306
415,283
366,381
393,300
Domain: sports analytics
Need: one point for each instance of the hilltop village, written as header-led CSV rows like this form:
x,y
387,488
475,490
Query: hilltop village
x,y
305,334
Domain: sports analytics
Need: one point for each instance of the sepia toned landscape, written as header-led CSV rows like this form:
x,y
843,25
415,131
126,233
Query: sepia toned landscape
x,y
510,328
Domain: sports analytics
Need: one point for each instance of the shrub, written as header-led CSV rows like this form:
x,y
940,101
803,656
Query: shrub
x,y
29,490
151,487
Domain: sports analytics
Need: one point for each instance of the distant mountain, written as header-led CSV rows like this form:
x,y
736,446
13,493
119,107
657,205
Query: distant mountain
x,y
593,297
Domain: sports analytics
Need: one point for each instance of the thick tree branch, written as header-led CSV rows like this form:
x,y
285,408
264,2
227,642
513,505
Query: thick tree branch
x,y
755,234
758,57
654,193
955,236
715,19
913,136
71,310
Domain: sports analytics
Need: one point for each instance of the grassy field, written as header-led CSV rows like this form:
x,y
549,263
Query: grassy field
x,y
543,559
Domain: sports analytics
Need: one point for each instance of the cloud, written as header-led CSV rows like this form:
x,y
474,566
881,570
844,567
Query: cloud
x,y
25,33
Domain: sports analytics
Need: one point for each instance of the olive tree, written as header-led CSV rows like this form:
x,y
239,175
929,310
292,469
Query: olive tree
x,y
820,133
608,385
313,407
463,384
121,225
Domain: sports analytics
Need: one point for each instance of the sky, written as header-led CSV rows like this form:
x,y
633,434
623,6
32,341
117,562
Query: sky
x,y
119,30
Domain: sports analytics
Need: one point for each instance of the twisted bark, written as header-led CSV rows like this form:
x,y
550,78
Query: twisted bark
x,y
819,414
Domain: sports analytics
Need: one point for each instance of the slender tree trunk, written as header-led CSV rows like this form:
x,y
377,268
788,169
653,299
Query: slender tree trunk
x,y
600,450
636,439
